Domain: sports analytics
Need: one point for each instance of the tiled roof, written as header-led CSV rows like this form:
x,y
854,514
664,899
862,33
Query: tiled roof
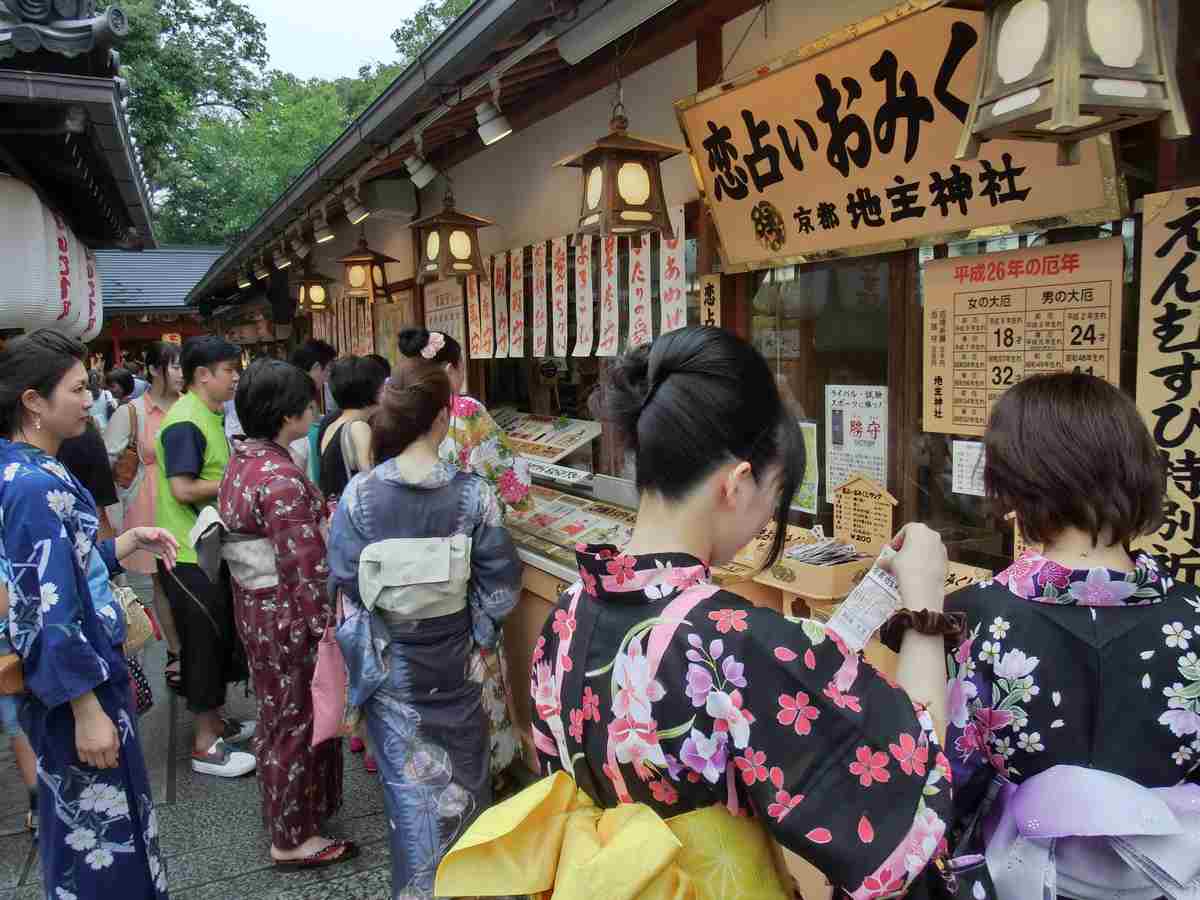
x,y
152,280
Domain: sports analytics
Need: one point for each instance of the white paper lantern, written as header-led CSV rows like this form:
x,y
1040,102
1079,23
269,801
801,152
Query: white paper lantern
x,y
25,271
94,320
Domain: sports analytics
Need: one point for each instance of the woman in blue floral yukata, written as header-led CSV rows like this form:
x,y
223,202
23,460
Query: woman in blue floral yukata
x,y
99,833
1074,699
428,573
655,688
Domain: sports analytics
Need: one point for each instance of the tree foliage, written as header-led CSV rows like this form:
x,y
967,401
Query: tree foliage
x,y
419,30
220,136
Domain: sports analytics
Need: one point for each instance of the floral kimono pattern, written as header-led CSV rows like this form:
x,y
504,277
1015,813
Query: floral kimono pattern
x,y
266,495
99,833
651,685
412,676
475,443
1093,668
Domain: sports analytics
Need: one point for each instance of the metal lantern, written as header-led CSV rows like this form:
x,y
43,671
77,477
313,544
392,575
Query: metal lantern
x,y
1067,70
622,182
315,289
366,275
449,243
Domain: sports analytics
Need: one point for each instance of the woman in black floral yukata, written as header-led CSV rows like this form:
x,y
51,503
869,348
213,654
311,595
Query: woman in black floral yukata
x,y
652,686
1076,693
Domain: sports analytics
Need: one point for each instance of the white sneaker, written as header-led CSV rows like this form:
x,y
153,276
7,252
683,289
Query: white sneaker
x,y
223,762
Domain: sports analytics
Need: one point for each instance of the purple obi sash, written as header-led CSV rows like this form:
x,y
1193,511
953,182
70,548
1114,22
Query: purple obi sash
x,y
1089,834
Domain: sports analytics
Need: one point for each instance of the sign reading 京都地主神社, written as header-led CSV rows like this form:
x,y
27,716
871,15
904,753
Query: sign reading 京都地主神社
x,y
993,320
848,145
1168,392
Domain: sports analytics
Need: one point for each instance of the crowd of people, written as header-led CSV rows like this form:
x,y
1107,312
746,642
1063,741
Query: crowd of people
x,y
258,513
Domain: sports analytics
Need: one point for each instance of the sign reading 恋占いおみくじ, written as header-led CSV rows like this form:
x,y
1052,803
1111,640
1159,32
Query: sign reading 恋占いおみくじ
x,y
856,423
710,300
1168,391
993,320
848,144
862,515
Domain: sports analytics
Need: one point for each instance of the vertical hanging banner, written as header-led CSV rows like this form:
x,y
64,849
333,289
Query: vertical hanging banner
x,y
473,336
610,317
486,328
500,301
1168,394
516,303
672,294
558,274
583,295
641,325
539,299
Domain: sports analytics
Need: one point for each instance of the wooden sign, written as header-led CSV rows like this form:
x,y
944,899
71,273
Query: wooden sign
x,y
960,575
1167,392
862,515
444,309
848,145
992,320
710,300
1020,545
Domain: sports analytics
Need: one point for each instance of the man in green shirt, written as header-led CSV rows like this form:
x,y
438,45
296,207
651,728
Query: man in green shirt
x,y
192,453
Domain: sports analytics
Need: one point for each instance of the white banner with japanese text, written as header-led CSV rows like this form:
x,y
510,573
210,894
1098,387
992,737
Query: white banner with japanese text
x,y
500,302
487,330
641,324
558,275
610,315
539,299
516,302
583,295
474,337
672,285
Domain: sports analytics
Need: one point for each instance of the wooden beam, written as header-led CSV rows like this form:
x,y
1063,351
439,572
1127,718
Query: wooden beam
x,y
710,60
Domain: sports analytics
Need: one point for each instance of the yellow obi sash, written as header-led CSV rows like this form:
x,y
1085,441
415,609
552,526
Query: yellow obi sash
x,y
550,840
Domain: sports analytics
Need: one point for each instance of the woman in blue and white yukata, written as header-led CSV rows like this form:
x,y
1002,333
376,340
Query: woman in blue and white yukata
x,y
98,827
428,572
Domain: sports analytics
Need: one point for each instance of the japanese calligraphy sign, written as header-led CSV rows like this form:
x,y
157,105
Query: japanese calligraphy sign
x,y
610,315
539,299
475,342
1020,545
960,575
641,324
672,285
847,145
583,295
500,302
992,320
444,309
516,303
1168,392
487,334
862,515
856,439
558,299
710,300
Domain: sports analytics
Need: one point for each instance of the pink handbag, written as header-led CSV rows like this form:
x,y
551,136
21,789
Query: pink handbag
x,y
329,686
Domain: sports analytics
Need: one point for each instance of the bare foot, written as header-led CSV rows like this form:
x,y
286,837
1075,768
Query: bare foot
x,y
314,844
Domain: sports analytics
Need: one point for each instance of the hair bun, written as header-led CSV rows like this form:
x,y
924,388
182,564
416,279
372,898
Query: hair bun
x,y
412,341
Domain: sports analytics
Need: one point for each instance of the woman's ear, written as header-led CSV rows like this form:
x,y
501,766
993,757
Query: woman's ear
x,y
737,478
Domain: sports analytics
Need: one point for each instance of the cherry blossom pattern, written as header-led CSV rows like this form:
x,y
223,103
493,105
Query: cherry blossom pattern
x,y
1182,715
621,568
870,766
729,620
795,710
913,757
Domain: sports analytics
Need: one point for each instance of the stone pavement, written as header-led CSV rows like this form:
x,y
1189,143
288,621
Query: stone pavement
x,y
211,828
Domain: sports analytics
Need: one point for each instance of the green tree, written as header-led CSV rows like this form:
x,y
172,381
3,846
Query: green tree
x,y
356,94
235,167
420,29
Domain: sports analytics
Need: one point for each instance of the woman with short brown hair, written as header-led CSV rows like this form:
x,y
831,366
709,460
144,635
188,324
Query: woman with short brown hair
x,y
428,573
1077,688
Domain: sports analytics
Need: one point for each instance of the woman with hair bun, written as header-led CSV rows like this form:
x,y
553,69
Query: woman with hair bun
x,y
427,572
475,443
652,686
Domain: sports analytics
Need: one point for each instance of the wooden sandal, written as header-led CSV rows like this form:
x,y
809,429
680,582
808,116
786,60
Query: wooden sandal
x,y
336,852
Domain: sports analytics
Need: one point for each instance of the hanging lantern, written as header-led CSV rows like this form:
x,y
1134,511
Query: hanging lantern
x,y
366,275
314,291
1066,70
622,182
449,242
